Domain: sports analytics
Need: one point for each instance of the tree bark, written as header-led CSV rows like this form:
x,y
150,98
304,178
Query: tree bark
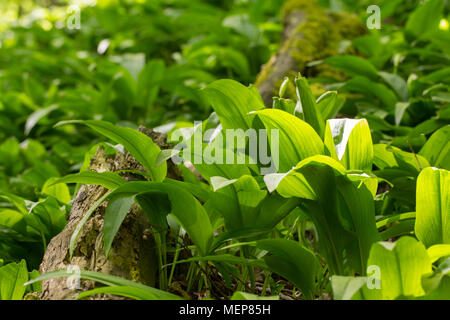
x,y
132,255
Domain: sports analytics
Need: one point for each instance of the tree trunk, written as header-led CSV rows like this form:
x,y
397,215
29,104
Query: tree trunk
x,y
310,34
132,255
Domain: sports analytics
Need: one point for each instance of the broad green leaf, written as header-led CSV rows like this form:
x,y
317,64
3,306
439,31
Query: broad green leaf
x,y
350,142
401,267
149,82
141,147
297,139
371,181
371,88
308,106
118,207
59,192
345,288
437,285
46,216
165,155
284,104
292,261
189,212
293,183
34,118
243,204
353,66
437,148
405,163
433,207
109,180
12,279
396,83
232,102
329,104
400,109
16,201
438,251
425,18
343,213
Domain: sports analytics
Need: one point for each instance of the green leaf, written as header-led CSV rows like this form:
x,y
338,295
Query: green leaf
x,y
371,88
12,279
118,207
233,102
400,109
329,104
79,227
405,163
16,201
345,288
242,203
438,251
149,82
140,146
343,214
308,106
397,225
433,207
297,139
437,148
397,83
124,291
109,180
189,212
401,267
350,142
59,192
353,66
292,261
34,118
425,18
108,280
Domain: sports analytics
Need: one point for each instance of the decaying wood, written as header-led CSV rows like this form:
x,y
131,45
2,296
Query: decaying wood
x,y
132,255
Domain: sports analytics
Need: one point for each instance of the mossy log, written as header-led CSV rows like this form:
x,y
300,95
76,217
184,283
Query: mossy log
x,y
132,255
310,33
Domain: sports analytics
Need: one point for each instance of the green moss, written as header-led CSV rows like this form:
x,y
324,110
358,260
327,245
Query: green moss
x,y
296,5
316,39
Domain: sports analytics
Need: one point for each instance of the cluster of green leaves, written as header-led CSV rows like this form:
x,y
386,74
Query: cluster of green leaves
x,y
116,67
398,78
358,208
241,223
